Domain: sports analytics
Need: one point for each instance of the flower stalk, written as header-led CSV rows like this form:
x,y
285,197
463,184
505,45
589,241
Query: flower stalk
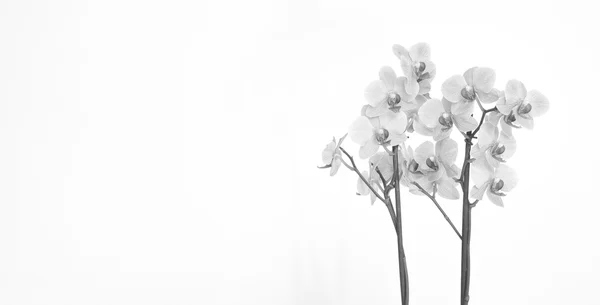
x,y
465,261
401,256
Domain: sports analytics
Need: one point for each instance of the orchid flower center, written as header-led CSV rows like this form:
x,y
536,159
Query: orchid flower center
x,y
510,119
524,109
432,163
445,120
393,99
468,93
497,186
497,150
381,135
413,167
419,68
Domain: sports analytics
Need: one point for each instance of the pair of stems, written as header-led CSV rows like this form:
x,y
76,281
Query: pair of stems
x,y
396,215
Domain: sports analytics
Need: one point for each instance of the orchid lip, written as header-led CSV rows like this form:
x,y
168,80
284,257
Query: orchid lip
x,y
510,119
419,68
413,167
468,93
496,187
499,158
431,163
524,109
393,99
381,135
445,120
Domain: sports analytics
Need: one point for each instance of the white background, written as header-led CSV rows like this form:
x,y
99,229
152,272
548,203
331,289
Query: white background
x,y
165,153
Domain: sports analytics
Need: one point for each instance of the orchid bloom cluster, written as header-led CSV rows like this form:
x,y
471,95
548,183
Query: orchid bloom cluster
x,y
399,106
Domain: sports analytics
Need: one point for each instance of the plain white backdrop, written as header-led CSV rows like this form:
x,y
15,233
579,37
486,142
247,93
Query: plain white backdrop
x,y
165,152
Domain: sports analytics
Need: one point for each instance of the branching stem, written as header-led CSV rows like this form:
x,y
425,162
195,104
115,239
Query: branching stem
x,y
432,197
384,200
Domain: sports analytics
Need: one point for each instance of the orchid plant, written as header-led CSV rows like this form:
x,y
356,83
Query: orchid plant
x,y
399,107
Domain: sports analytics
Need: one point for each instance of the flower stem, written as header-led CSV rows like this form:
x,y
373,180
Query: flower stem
x,y
465,259
465,262
432,197
401,256
384,200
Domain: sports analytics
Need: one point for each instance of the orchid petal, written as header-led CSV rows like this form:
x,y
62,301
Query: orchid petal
x,y
369,148
484,79
400,51
394,122
478,191
510,145
497,200
504,107
446,150
509,177
480,172
424,86
420,52
376,93
465,123
446,188
421,129
515,92
489,97
452,88
527,123
539,103
373,112
488,134
430,112
335,165
424,151
327,154
388,77
462,107
468,75
361,130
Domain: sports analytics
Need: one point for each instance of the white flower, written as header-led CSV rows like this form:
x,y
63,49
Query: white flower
x,y
521,106
387,93
462,90
438,119
417,67
369,133
493,146
332,156
437,166
495,183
